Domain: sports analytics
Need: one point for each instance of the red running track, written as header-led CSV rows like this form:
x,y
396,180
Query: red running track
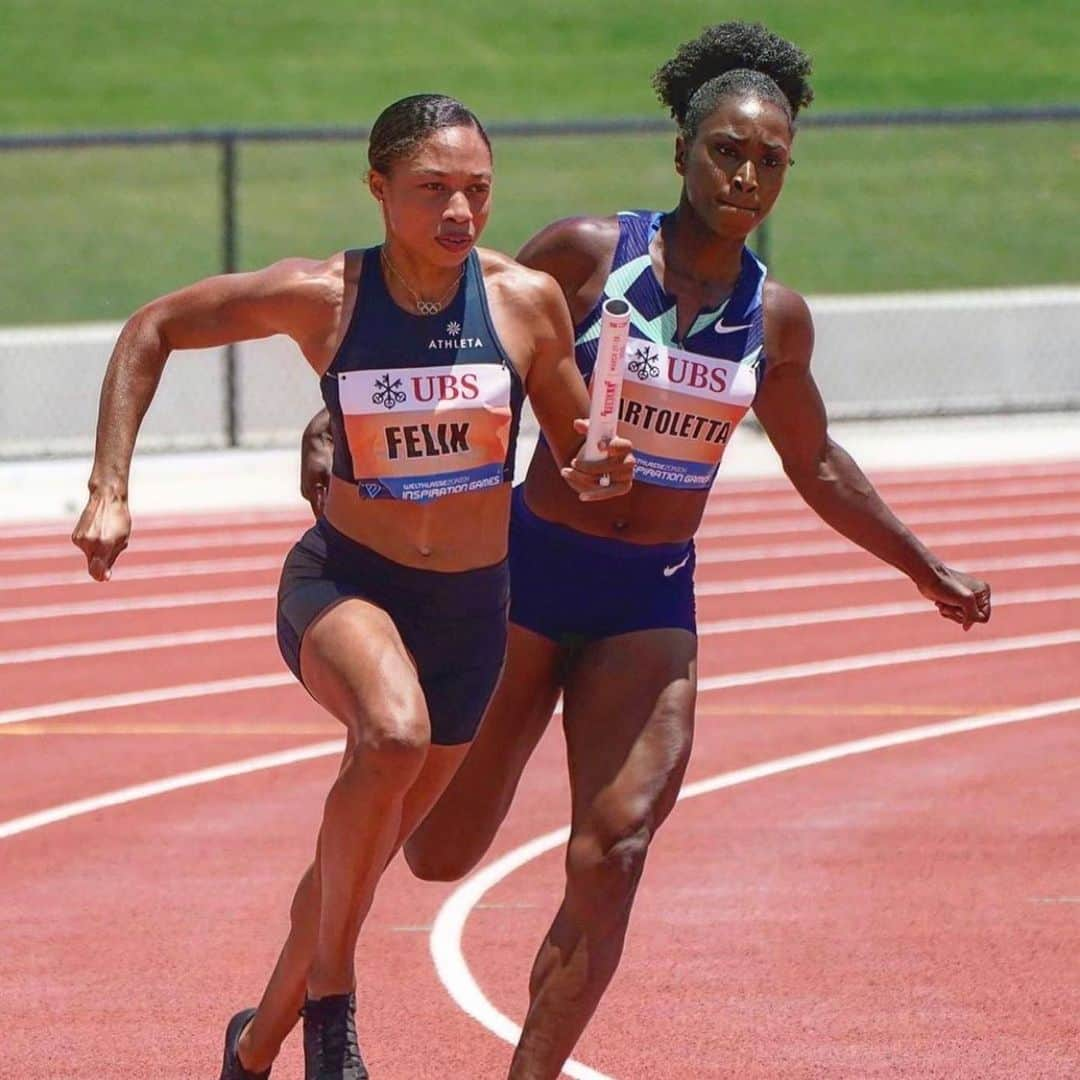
x,y
908,912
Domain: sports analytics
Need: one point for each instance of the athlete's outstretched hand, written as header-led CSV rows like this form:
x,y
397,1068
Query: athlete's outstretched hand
x,y
316,459
959,597
587,477
102,532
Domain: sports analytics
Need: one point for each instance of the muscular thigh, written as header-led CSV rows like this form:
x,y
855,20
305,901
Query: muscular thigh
x,y
355,665
628,712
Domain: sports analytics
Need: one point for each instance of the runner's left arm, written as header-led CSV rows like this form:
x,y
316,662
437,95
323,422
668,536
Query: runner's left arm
x,y
793,415
561,401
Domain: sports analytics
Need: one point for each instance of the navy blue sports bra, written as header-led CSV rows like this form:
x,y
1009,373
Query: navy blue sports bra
x,y
422,406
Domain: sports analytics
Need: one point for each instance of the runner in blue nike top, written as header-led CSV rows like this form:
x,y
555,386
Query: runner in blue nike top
x,y
602,606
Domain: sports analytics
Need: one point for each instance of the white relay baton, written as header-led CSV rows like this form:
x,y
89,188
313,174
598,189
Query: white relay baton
x,y
607,378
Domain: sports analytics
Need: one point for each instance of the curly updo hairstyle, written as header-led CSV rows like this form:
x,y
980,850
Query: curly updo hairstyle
x,y
732,58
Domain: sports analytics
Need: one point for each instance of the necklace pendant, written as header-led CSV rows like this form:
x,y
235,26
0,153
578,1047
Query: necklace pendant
x,y
427,307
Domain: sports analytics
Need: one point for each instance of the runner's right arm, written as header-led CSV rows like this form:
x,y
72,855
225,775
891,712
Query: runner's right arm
x,y
297,297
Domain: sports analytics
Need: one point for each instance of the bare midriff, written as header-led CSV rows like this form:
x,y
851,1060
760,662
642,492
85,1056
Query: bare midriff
x,y
647,514
454,533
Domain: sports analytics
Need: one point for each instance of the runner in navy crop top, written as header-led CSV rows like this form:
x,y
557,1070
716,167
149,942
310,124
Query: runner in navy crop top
x,y
392,609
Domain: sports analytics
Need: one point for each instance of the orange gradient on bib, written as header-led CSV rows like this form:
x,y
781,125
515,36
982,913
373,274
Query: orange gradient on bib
x,y
418,422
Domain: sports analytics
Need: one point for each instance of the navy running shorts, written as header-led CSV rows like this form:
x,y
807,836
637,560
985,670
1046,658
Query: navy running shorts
x,y
453,624
572,587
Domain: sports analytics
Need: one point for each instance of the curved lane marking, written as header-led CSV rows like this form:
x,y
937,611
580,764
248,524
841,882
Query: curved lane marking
x,y
446,934
93,608
187,542
727,507
802,522
755,677
170,783
151,571
814,579
799,548
713,555
1036,560
107,646
146,697
888,659
852,613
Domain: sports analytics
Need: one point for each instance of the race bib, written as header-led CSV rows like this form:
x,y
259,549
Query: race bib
x,y
421,433
679,409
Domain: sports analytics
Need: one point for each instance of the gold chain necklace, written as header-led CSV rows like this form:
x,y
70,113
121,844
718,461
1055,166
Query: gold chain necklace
x,y
423,307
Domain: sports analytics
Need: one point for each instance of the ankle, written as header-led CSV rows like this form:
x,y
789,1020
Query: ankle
x,y
247,1053
329,985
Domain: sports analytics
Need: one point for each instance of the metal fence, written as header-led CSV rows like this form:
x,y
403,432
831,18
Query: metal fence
x,y
234,147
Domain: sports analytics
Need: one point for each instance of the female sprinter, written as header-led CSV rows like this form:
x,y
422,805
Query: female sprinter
x,y
392,609
602,605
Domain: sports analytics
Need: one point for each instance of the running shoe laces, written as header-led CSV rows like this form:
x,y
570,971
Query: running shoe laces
x,y
331,1049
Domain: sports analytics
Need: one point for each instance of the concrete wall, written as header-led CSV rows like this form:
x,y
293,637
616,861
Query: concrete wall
x,y
896,354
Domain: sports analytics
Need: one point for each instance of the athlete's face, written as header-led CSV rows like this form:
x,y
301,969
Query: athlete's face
x,y
436,201
735,166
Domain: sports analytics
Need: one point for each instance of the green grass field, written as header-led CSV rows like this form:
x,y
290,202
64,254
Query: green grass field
x,y
96,232
118,63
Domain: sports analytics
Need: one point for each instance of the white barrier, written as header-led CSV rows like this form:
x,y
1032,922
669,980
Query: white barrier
x,y
967,351
876,355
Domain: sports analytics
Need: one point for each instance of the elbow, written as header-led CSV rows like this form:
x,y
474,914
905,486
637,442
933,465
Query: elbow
x,y
145,330
807,472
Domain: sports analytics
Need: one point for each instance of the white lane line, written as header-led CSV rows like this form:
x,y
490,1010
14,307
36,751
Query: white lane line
x,y
467,994
757,678
893,658
145,697
57,530
816,579
1033,561
808,521
840,546
725,501
136,603
226,539
984,477
717,554
181,639
135,644
975,473
125,572
977,477
871,611
446,934
171,783
721,506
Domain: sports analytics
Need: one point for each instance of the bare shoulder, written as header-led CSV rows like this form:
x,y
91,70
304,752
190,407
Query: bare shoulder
x,y
316,280
584,237
518,287
789,326
784,306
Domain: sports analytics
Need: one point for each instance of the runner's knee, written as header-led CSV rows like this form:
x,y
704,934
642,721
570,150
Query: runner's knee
x,y
603,869
391,749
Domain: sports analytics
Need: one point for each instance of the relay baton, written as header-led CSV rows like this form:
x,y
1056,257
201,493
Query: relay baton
x,y
607,376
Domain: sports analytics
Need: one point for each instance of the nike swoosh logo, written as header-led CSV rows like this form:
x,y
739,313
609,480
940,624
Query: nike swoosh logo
x,y
669,570
731,329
